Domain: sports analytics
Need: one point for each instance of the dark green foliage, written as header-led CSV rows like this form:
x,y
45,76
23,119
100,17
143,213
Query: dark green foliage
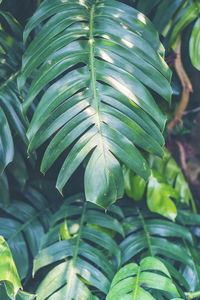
x,y
92,81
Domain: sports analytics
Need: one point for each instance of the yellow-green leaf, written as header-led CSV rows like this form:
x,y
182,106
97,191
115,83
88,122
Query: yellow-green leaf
x,y
8,269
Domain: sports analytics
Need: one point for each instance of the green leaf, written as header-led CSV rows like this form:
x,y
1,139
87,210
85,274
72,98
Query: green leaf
x,y
6,142
134,184
194,45
165,11
173,176
11,120
91,75
158,197
4,191
131,280
189,15
23,225
146,234
8,272
88,254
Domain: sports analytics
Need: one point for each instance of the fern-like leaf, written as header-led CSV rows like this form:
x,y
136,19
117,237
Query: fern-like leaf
x,y
83,254
94,61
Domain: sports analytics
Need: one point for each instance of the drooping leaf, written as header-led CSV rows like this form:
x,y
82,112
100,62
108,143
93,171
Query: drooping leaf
x,y
21,295
194,45
189,15
96,64
8,270
164,13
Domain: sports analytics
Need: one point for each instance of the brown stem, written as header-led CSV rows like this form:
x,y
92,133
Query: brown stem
x,y
186,89
182,157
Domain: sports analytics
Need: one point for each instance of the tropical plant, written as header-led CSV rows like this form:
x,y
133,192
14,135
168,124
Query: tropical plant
x,y
94,98
92,80
129,281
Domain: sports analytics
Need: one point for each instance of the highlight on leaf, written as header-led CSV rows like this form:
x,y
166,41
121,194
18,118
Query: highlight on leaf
x,y
93,91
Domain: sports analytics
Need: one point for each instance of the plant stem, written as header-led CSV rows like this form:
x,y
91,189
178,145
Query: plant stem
x,y
186,89
192,295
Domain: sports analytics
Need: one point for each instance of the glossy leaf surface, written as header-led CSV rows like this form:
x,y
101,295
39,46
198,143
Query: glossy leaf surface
x,y
96,64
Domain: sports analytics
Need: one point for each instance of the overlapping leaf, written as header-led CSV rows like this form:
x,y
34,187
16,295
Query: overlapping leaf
x,y
10,285
148,234
165,184
81,249
94,66
11,120
23,224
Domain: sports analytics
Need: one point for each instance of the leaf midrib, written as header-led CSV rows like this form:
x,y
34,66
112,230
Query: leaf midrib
x,y
137,284
93,79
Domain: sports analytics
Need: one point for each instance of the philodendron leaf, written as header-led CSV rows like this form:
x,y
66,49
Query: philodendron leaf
x,y
8,270
194,45
85,254
131,280
158,197
92,74
134,184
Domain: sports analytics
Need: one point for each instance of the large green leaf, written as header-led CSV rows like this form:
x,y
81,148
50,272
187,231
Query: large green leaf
x,y
131,280
93,68
11,120
82,251
8,271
